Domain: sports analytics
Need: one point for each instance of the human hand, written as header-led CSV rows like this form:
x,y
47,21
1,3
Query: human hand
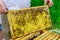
x,y
49,2
3,8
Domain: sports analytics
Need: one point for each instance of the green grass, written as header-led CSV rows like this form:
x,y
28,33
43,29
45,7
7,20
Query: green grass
x,y
55,14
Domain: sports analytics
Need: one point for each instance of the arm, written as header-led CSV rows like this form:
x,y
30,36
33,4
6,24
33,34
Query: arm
x,y
3,8
50,2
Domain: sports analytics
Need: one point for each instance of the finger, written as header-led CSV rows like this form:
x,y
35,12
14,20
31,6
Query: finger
x,y
3,6
1,10
4,9
45,2
50,4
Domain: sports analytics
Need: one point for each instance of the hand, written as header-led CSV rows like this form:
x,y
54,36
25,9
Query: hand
x,y
3,8
49,2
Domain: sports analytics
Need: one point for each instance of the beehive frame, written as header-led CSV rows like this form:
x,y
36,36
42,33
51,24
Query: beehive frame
x,y
39,12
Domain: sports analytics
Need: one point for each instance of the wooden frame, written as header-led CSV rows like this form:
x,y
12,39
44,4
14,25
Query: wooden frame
x,y
7,27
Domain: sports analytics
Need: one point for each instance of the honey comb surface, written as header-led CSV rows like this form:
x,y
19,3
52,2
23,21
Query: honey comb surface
x,y
25,21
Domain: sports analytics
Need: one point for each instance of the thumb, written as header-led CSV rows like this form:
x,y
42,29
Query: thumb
x,y
45,2
3,6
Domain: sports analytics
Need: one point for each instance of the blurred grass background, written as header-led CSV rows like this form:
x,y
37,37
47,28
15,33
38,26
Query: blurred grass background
x,y
54,13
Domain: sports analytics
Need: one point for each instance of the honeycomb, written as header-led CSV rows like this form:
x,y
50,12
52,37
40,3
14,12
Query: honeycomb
x,y
25,21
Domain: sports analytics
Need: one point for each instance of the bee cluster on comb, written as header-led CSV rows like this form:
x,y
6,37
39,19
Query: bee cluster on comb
x,y
25,21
